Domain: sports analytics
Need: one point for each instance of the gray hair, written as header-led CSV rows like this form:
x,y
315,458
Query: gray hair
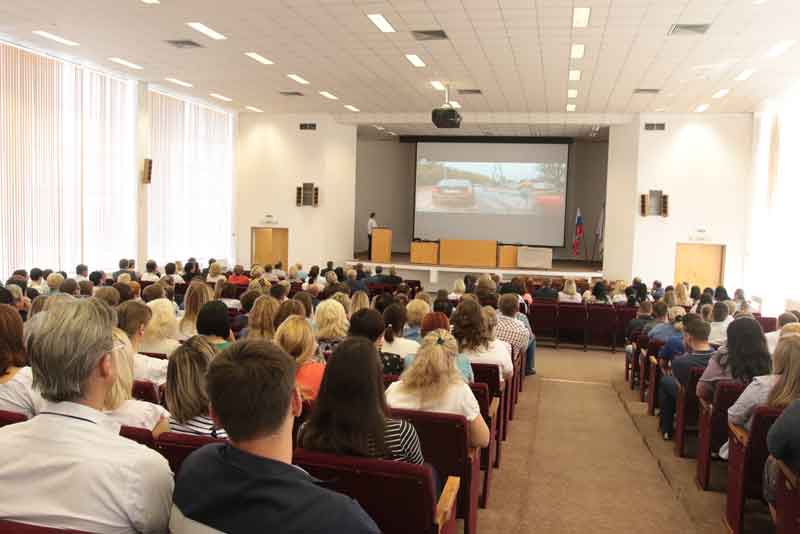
x,y
65,348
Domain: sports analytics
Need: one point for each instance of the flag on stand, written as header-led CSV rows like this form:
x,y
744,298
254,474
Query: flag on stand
x,y
576,241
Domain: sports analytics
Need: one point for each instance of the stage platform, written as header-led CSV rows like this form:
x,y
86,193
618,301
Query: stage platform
x,y
434,277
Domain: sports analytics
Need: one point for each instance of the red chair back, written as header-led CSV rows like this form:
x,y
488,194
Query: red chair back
x,y
389,379
725,395
139,435
157,355
10,527
543,317
787,506
146,391
688,409
175,447
602,325
572,323
489,374
9,418
768,324
400,497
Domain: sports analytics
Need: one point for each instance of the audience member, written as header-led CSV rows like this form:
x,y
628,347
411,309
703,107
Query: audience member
x,y
153,292
377,278
261,322
81,273
783,442
344,300
151,274
89,478
238,277
354,283
37,281
433,383
124,290
392,278
332,326
569,293
545,291
247,300
415,311
772,337
287,309
186,394
508,328
394,317
215,273
197,294
660,316
161,332
279,292
458,290
85,288
721,318
16,379
359,301
295,337
474,340
350,414
132,318
369,324
68,287
682,297
253,395
663,331
229,294
171,274
213,323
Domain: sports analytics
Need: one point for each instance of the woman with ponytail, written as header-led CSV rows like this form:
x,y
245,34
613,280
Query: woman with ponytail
x,y
393,341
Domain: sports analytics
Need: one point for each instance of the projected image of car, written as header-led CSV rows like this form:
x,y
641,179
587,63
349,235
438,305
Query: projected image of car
x,y
453,192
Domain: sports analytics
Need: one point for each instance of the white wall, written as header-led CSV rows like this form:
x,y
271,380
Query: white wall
x,y
385,184
272,159
703,163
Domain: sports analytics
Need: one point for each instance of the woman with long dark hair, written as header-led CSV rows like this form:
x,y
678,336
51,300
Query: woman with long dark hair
x,y
350,415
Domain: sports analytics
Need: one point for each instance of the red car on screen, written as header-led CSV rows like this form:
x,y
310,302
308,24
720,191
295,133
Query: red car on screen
x,y
454,192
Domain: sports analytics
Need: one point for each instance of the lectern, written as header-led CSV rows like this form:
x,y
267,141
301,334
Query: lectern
x,y
381,245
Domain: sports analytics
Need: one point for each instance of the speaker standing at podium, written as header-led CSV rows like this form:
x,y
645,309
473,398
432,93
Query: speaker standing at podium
x,y
371,225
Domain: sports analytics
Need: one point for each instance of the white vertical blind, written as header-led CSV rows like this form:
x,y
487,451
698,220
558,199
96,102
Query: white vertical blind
x,y
67,180
191,194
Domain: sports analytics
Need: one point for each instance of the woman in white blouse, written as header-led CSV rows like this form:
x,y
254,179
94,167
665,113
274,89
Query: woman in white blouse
x,y
161,333
393,341
569,293
433,383
475,341
215,273
119,402
16,380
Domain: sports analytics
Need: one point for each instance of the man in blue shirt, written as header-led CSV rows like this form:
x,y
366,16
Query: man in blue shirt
x,y
250,485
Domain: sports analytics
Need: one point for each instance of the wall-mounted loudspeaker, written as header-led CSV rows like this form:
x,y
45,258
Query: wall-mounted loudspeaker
x,y
307,195
654,203
643,205
147,171
665,205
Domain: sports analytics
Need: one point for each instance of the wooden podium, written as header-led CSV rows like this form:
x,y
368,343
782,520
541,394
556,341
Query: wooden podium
x,y
381,245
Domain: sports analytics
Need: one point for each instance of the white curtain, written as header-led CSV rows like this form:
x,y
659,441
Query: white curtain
x,y
191,194
67,179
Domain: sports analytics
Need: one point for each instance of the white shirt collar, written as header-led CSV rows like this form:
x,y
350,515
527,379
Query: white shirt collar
x,y
80,412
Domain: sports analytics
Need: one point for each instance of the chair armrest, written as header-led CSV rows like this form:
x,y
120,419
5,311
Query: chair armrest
x,y
653,360
474,453
502,386
705,406
788,474
445,508
738,433
494,407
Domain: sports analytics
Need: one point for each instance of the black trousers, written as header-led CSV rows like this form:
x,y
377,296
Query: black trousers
x,y
369,251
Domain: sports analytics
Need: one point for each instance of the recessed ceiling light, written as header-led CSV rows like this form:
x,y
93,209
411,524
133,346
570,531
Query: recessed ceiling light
x,y
258,57
221,97
415,60
125,63
56,38
379,127
577,51
439,86
253,108
759,2
351,108
455,105
701,108
745,75
391,133
721,93
150,2
571,107
381,22
779,48
205,30
328,95
298,79
580,17
575,75
572,93
179,82
659,110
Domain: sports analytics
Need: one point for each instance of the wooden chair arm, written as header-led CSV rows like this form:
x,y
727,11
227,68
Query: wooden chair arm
x,y
653,360
788,474
738,433
494,407
502,386
445,508
474,453
705,406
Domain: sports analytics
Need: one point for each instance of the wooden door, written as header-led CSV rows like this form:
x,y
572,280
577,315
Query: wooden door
x,y
700,264
269,246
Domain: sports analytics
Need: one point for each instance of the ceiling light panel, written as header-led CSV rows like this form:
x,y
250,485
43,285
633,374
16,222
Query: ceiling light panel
x,y
125,63
381,22
351,108
571,107
572,93
56,38
779,48
150,2
179,82
577,51
329,96
205,30
258,57
298,79
574,75
415,60
701,108
580,17
221,97
745,75
439,86
722,93
255,109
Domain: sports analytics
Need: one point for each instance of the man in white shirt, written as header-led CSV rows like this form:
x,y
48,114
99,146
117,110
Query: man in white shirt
x,y
68,467
81,273
719,324
371,225
773,337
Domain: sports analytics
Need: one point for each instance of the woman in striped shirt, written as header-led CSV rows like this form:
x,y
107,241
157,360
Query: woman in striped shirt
x,y
187,399
350,415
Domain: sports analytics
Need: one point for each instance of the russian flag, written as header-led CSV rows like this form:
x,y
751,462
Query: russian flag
x,y
576,241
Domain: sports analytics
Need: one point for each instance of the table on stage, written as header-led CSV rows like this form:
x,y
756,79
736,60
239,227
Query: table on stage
x,y
425,252
468,253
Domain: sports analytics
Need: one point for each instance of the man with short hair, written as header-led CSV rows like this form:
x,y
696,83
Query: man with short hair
x,y
354,283
545,291
278,292
773,337
699,351
392,278
254,397
81,273
328,267
123,268
514,332
77,472
37,281
98,278
153,292
279,272
659,316
720,319
378,277
69,286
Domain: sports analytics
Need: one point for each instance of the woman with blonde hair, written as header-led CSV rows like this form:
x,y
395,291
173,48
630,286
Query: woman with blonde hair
x,y
433,383
186,394
332,326
416,310
669,298
344,300
161,332
569,293
294,336
215,273
197,294
618,296
119,404
261,318
458,290
359,301
682,295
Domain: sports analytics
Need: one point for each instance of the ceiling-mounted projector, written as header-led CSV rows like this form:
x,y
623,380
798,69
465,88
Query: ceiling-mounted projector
x,y
446,117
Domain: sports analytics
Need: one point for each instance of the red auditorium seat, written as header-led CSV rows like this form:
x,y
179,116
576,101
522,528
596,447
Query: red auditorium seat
x,y
157,355
175,447
625,314
687,410
602,325
295,288
490,406
489,374
9,418
572,324
299,420
139,435
10,527
398,496
389,379
712,427
649,375
747,456
146,391
543,317
768,324
787,506
445,444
